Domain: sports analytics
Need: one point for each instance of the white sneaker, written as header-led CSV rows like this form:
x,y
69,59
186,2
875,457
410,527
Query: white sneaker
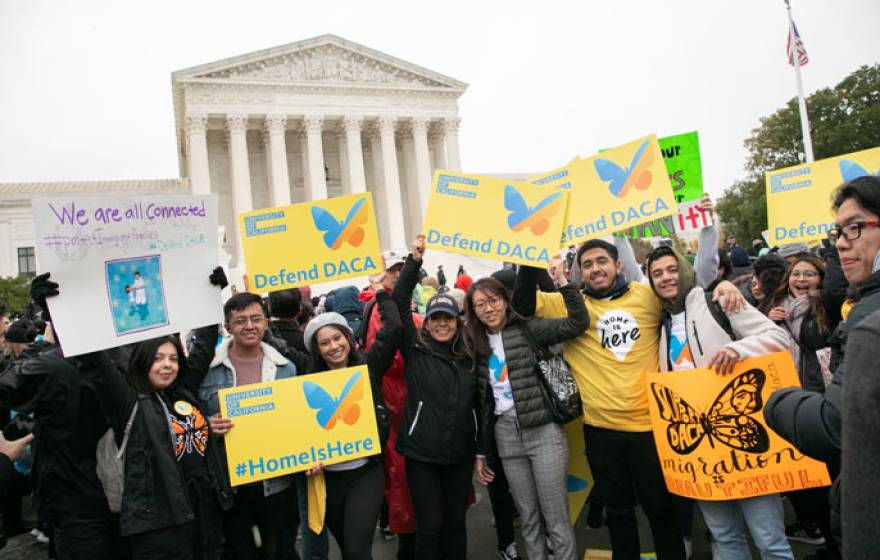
x,y
688,548
509,553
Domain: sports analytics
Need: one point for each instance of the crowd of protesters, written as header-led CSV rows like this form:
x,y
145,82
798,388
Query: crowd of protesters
x,y
457,399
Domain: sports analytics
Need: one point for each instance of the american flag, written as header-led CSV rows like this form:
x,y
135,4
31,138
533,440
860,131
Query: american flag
x,y
796,45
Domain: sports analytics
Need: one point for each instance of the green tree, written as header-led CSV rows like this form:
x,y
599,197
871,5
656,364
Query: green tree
x,y
843,119
14,294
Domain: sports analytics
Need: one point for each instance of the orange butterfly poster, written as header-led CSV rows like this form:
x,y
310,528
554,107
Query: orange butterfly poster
x,y
311,242
615,190
292,425
711,437
494,218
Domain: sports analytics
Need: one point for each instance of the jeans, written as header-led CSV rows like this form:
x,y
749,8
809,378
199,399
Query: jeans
x,y
764,517
621,462
314,547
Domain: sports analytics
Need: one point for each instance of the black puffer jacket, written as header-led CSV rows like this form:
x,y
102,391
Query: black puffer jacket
x,y
528,395
440,416
155,495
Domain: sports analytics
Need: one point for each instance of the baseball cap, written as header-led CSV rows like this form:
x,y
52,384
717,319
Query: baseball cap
x,y
393,258
441,303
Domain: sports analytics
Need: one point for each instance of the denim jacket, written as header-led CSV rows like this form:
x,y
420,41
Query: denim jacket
x,y
221,375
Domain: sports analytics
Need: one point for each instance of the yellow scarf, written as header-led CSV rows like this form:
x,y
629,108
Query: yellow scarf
x,y
317,502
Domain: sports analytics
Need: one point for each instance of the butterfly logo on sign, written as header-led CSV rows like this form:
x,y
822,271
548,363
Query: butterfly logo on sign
x,y
850,170
727,420
332,410
575,483
337,233
622,179
537,218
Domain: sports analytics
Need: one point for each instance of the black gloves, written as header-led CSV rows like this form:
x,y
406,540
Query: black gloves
x,y
218,277
42,288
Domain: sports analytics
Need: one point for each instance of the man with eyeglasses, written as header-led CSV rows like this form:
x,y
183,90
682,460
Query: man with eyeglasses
x,y
243,359
811,421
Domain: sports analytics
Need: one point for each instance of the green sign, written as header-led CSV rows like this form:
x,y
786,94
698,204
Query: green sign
x,y
681,154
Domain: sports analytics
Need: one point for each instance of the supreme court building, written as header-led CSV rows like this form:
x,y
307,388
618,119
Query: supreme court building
x,y
303,121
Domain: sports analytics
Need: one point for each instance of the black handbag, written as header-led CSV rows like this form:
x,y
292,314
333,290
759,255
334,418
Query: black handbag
x,y
554,376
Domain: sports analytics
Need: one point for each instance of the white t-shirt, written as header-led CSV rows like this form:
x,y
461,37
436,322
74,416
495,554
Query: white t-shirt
x,y
498,377
140,291
679,350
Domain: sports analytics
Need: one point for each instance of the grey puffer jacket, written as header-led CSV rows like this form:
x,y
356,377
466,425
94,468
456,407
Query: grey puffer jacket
x,y
528,395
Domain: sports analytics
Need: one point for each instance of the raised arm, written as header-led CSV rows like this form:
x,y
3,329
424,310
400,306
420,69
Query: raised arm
x,y
834,286
706,262
201,353
388,339
114,393
630,268
403,290
524,297
553,331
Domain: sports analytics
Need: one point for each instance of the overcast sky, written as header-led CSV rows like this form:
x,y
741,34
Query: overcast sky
x,y
86,88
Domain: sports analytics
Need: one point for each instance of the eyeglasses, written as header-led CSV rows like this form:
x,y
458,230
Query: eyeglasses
x,y
808,274
483,304
239,322
850,232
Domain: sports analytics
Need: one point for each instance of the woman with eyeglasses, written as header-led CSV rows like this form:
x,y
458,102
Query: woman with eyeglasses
x,y
533,449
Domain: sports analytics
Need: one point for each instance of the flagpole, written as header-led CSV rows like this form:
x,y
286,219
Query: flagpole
x,y
802,102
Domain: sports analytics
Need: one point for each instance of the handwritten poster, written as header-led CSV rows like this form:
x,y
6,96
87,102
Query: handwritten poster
x,y
129,268
799,197
332,411
494,218
310,242
691,217
711,437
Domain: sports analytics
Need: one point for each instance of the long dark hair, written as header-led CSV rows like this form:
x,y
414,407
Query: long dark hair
x,y
769,271
476,339
355,356
141,360
816,305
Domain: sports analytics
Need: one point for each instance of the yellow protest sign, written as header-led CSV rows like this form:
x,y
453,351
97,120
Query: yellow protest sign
x,y
578,478
494,218
711,437
620,188
291,425
799,197
318,241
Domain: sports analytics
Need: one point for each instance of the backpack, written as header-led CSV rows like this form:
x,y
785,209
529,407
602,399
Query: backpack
x,y
719,315
111,463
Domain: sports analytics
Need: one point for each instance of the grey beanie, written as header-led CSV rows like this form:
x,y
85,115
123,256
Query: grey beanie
x,y
321,321
793,249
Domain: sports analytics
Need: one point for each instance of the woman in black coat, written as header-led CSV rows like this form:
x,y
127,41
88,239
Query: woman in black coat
x,y
439,428
533,449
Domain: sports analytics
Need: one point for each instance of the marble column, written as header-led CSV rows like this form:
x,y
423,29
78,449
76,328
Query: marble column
x,y
391,184
408,181
422,165
279,180
342,146
239,174
452,151
438,145
317,184
378,179
304,156
357,182
197,153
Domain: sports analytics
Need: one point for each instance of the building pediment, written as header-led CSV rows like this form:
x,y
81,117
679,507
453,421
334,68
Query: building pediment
x,y
323,60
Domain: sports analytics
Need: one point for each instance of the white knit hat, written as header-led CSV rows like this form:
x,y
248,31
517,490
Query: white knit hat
x,y
321,321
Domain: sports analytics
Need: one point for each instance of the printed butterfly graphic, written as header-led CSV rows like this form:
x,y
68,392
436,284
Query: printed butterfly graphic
x,y
331,410
680,350
521,216
336,233
850,170
727,420
622,179
498,368
575,483
190,434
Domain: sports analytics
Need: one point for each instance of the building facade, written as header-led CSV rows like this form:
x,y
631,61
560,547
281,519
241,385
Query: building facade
x,y
304,121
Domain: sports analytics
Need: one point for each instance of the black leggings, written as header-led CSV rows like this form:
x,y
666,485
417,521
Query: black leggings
x,y
354,500
440,499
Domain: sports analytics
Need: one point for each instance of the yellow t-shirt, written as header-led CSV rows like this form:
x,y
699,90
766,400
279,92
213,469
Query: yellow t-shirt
x,y
610,359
